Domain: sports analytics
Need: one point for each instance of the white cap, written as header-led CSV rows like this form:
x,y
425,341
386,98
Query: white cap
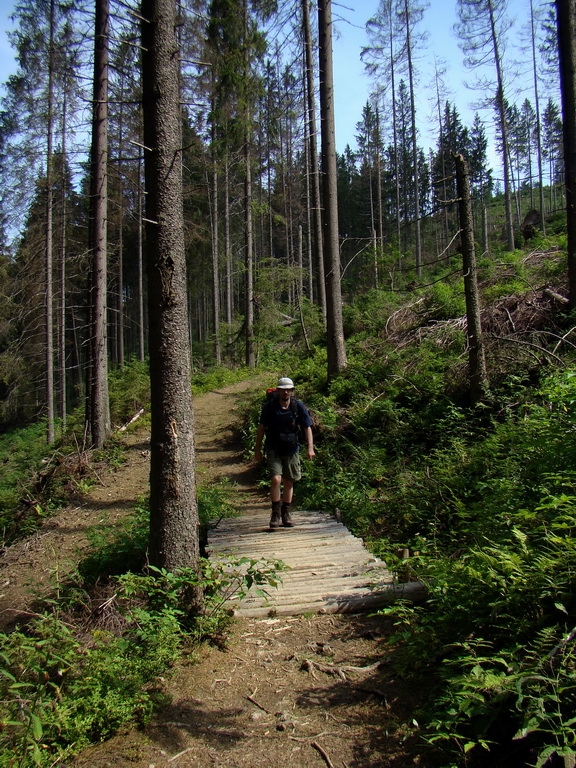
x,y
285,383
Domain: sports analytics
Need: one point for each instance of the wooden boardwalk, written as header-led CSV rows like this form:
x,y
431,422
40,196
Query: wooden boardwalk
x,y
328,569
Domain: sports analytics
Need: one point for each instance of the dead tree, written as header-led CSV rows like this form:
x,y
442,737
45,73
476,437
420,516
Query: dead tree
x,y
476,358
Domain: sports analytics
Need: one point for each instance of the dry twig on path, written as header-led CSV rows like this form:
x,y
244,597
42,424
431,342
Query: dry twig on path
x,y
323,753
251,698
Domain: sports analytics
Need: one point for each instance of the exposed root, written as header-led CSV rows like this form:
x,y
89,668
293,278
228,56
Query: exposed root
x,y
337,670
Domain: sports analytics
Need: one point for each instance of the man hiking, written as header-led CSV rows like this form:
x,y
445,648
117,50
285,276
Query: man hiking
x,y
281,419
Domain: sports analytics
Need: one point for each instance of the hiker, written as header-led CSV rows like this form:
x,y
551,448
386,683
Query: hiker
x,y
281,417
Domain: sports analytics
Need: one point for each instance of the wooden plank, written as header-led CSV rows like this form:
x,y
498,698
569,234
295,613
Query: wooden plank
x,y
294,554
345,604
328,569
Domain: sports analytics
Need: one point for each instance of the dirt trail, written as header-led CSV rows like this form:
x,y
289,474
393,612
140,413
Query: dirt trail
x,y
308,692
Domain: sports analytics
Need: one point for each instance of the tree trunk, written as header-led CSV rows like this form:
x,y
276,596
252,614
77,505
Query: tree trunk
x,y
228,253
174,539
313,147
215,265
248,258
120,353
395,144
97,385
379,191
48,295
309,236
334,324
250,355
414,143
565,10
476,358
501,110
63,234
141,347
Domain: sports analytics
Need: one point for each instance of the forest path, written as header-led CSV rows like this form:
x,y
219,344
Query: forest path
x,y
305,691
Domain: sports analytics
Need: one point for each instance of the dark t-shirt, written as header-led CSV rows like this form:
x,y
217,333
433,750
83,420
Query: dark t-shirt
x,y
282,425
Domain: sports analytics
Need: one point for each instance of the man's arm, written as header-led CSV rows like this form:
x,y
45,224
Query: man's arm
x,y
259,438
309,437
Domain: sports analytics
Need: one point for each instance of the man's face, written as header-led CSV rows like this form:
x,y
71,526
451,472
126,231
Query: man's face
x,y
285,395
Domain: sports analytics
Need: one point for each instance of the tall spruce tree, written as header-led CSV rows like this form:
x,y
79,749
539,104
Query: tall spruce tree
x,y
552,146
538,124
174,539
337,360
411,14
97,402
313,163
453,140
236,45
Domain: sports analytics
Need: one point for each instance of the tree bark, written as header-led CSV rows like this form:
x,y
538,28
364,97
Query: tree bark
x,y
538,122
140,249
565,10
418,233
250,355
476,357
62,309
228,254
334,325
97,384
174,541
49,292
215,265
313,149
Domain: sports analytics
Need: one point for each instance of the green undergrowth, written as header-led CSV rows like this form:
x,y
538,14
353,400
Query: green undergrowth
x,y
95,658
486,507
21,455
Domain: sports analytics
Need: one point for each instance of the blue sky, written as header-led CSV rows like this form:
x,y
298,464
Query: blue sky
x,y
352,87
6,55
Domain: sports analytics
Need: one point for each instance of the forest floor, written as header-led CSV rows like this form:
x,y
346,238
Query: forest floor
x,y
312,691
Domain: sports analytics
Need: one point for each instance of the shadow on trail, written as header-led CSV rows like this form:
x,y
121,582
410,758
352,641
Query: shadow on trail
x,y
218,729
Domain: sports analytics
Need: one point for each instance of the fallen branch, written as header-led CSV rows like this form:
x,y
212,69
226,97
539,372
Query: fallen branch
x,y
175,757
526,344
556,296
323,753
134,418
563,338
256,704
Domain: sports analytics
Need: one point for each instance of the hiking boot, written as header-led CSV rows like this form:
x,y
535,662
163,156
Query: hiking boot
x,y
285,514
275,520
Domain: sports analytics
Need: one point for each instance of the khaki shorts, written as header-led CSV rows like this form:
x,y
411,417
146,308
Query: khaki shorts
x,y
287,466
